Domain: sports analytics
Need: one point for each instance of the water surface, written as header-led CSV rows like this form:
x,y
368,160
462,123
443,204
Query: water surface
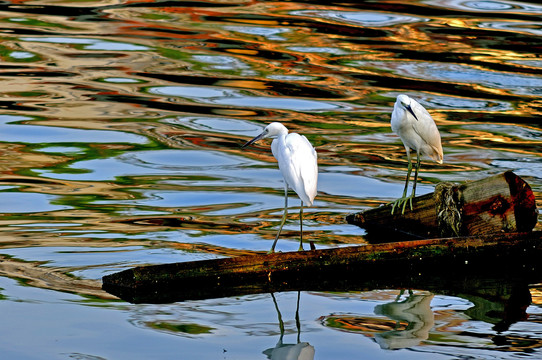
x,y
120,131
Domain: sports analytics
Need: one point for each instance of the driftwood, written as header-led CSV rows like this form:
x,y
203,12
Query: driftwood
x,y
443,263
498,213
501,203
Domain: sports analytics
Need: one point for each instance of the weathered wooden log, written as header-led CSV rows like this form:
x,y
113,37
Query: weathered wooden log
x,y
501,203
443,263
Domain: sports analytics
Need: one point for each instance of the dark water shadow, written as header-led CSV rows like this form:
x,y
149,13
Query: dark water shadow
x,y
496,283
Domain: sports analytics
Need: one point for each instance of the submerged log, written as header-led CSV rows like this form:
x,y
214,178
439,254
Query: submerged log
x,y
421,263
501,203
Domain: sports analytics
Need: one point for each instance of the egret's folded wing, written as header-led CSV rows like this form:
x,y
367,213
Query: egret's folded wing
x,y
298,163
426,128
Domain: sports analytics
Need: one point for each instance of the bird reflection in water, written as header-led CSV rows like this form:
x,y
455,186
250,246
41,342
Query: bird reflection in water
x,y
416,311
298,351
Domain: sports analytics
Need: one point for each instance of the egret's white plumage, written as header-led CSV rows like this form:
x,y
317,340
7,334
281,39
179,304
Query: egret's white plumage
x,y
297,161
418,132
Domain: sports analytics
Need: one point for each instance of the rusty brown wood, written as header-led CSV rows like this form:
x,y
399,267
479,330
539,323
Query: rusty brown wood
x,y
397,264
504,202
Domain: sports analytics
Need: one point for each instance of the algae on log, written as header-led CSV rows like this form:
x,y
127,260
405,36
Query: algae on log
x,y
501,203
410,264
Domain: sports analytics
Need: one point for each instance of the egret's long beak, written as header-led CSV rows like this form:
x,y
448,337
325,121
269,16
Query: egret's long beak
x,y
409,108
253,140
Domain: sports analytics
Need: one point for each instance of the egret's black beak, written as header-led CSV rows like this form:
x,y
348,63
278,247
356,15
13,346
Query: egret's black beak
x,y
253,140
409,108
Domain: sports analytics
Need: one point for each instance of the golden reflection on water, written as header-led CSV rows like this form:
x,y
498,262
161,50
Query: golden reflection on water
x,y
121,125
336,69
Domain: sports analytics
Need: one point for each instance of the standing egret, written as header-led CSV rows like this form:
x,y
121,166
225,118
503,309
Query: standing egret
x,y
418,132
297,163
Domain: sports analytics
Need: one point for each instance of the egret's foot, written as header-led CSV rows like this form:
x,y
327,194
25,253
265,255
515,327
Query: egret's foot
x,y
272,251
402,202
300,248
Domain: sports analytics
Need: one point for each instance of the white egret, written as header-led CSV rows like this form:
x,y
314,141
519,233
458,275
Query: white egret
x,y
418,132
298,165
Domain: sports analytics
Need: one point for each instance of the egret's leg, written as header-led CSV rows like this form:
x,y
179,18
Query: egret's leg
x,y
415,179
409,199
403,200
400,294
301,227
281,323
409,171
283,218
297,321
410,293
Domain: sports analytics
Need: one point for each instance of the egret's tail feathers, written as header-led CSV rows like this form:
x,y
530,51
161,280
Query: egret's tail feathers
x,y
436,154
307,200
439,157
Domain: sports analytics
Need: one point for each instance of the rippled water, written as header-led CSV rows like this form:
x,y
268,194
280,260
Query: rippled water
x,y
120,131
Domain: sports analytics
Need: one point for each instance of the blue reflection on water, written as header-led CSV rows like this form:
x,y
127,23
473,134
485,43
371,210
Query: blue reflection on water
x,y
90,44
11,130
